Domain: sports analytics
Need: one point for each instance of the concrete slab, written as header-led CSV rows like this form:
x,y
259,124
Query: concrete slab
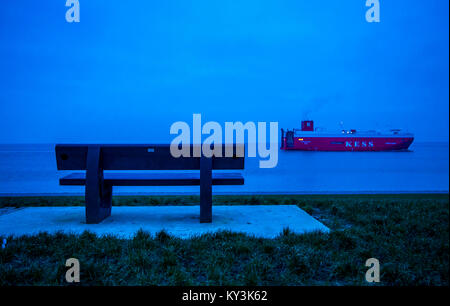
x,y
266,221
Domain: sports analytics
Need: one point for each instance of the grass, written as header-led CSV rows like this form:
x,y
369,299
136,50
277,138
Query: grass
x,y
409,234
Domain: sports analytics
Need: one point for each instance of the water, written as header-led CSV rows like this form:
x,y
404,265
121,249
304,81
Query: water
x,y
31,169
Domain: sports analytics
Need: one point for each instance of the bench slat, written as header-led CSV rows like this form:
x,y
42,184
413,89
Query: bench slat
x,y
155,179
140,157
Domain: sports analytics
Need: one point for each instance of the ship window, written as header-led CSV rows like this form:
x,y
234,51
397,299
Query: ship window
x,y
337,142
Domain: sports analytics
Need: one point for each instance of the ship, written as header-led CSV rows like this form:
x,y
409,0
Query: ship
x,y
310,139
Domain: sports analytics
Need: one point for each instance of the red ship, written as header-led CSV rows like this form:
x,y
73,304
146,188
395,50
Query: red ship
x,y
309,139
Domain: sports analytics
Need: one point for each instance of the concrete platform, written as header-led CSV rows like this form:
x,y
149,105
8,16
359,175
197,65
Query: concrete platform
x,y
266,221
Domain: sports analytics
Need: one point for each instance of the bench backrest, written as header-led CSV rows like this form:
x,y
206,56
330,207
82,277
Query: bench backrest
x,y
139,157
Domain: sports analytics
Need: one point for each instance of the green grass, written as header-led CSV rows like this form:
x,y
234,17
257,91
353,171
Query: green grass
x,y
409,234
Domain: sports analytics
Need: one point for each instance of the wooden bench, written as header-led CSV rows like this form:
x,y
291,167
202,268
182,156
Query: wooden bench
x,y
97,158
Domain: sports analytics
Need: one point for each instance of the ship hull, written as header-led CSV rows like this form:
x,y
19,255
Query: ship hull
x,y
318,143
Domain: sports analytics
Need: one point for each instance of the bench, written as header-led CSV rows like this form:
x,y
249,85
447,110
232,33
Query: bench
x,y
97,159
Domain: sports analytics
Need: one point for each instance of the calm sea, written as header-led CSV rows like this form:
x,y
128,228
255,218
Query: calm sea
x,y
31,169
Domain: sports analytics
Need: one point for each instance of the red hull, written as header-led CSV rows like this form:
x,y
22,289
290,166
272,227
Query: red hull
x,y
348,143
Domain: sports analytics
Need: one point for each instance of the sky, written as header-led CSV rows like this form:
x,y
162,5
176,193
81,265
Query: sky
x,y
130,69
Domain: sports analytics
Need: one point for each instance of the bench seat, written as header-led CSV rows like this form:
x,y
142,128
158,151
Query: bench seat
x,y
154,179
100,167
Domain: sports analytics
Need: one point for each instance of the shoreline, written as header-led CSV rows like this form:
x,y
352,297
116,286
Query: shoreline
x,y
230,199
312,193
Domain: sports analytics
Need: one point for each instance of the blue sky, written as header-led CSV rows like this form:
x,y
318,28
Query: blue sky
x,y
130,69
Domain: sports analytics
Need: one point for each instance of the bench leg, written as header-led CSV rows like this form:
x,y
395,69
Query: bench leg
x,y
98,204
205,190
98,194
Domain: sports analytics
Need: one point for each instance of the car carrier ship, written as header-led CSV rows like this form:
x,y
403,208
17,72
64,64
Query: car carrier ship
x,y
309,139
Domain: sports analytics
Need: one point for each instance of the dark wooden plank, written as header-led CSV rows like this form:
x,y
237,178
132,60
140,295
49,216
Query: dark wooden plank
x,y
205,190
155,179
138,157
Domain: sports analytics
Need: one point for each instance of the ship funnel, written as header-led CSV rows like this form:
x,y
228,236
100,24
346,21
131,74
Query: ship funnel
x,y
308,125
